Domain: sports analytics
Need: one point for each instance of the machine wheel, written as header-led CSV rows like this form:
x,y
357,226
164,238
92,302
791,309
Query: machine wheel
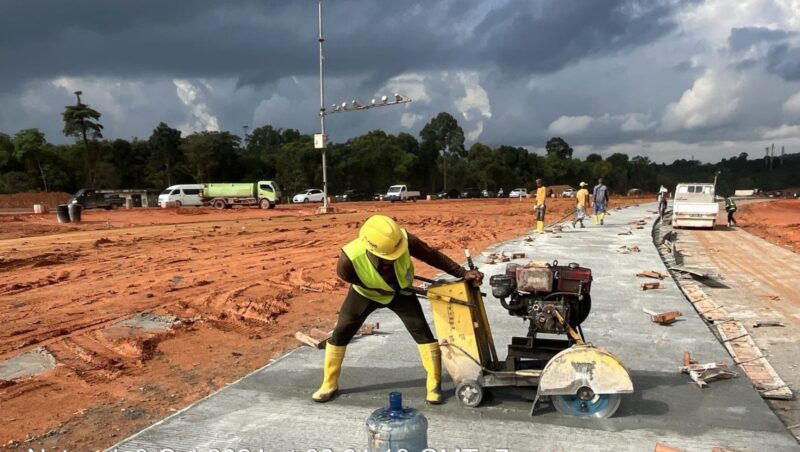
x,y
178,204
470,393
305,200
264,204
218,204
600,406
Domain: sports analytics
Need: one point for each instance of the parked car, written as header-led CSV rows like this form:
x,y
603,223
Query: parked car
x,y
377,197
181,195
453,193
518,193
487,194
310,195
353,195
473,192
569,193
88,198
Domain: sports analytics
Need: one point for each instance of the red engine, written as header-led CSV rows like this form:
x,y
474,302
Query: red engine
x,y
536,290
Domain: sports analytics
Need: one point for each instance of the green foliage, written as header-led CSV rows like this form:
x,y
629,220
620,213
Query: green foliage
x,y
557,147
165,153
29,148
81,121
369,162
442,135
211,155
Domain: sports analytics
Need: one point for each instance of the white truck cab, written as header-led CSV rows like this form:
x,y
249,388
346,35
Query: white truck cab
x,y
694,205
401,193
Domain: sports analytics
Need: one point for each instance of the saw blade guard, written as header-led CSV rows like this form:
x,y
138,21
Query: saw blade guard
x,y
584,369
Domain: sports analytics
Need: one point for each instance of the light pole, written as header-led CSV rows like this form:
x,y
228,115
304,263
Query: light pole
x,y
322,142
321,139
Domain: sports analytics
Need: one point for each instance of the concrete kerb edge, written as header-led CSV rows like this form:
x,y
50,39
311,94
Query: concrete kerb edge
x,y
116,446
709,325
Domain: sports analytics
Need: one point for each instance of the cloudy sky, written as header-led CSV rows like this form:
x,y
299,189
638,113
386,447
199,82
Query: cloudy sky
x,y
663,78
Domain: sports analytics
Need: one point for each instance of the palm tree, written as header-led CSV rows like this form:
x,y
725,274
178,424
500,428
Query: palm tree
x,y
80,120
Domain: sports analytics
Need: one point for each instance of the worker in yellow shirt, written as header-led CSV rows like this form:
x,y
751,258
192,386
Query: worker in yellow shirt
x,y
583,203
541,197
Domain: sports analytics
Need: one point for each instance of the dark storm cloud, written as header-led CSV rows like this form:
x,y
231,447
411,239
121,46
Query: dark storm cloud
x,y
545,37
744,38
261,41
784,60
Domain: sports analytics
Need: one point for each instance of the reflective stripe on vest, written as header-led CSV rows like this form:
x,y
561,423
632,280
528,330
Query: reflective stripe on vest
x,y
369,276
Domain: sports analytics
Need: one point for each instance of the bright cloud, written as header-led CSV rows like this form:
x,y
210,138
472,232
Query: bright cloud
x,y
711,101
568,125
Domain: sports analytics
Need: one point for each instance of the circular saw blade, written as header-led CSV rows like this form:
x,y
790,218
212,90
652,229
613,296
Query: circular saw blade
x,y
600,406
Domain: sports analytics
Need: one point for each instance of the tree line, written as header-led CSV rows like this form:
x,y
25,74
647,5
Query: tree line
x,y
435,161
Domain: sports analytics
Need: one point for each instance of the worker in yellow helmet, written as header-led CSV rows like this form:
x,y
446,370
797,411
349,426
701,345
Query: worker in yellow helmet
x,y
378,267
540,207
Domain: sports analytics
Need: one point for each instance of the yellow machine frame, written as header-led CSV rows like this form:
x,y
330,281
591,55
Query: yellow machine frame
x,y
470,357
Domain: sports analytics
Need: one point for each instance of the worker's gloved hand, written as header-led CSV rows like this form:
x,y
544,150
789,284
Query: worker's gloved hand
x,y
473,275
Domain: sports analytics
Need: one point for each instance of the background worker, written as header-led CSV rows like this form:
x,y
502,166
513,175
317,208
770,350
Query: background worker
x,y
600,199
730,207
663,193
583,203
378,267
540,207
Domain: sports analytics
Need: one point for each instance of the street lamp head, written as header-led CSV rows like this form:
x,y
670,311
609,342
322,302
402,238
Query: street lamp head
x,y
374,101
398,97
78,93
384,99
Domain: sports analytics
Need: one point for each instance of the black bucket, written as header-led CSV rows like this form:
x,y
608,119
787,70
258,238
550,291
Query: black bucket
x,y
75,213
62,212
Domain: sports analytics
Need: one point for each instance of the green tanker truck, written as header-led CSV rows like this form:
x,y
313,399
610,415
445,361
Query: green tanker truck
x,y
264,194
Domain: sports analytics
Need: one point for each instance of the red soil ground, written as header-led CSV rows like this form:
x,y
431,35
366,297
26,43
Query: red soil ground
x,y
775,221
240,281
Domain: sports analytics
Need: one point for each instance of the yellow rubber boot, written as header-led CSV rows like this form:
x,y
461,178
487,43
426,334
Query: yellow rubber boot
x,y
596,220
334,355
540,227
432,362
602,217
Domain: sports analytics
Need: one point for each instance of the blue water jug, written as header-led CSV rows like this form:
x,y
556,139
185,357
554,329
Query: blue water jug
x,y
396,429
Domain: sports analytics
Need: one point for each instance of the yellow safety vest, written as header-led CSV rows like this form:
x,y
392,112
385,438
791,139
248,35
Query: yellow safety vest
x,y
369,276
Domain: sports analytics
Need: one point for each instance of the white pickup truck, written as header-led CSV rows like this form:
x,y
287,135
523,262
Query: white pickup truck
x,y
401,193
694,206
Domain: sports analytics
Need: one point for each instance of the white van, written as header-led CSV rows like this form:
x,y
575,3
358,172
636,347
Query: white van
x,y
694,205
182,195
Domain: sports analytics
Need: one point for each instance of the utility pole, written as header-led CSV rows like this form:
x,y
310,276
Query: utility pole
x,y
766,158
772,157
321,142
781,155
444,159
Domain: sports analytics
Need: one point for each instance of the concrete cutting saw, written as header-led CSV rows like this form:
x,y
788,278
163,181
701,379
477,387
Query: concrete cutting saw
x,y
578,378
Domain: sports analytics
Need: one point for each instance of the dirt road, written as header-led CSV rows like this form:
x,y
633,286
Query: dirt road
x,y
145,311
758,282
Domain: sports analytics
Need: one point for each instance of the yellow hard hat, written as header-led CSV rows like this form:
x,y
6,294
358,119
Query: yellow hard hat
x,y
383,237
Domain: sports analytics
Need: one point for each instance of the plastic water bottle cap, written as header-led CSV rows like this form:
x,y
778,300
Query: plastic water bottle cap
x,y
395,401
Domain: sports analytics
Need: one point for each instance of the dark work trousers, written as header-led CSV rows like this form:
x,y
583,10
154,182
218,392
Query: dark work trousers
x,y
731,220
356,308
540,213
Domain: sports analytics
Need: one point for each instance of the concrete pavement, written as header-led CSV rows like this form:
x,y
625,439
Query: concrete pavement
x,y
271,409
